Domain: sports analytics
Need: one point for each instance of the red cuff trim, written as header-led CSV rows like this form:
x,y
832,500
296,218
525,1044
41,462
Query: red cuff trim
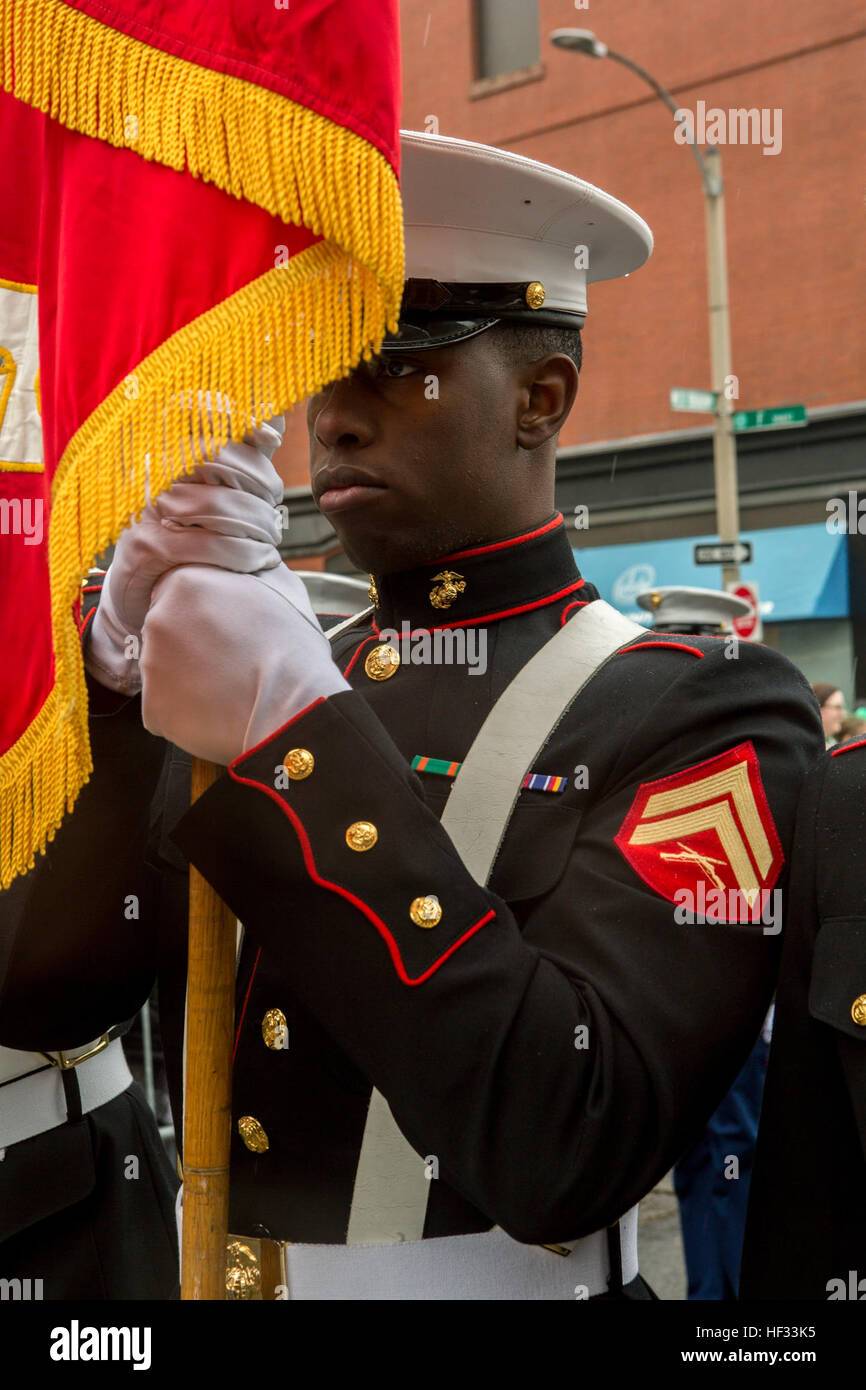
x,y
369,913
679,646
288,724
246,1001
503,545
83,628
846,747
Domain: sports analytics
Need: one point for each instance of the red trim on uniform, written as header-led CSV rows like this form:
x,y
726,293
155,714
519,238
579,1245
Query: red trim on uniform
x,y
490,617
289,722
357,651
576,603
502,545
246,1001
679,646
846,747
369,913
92,589
83,628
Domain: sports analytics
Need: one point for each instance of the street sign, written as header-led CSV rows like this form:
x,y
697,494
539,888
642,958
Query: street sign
x,y
781,417
749,627
724,553
683,398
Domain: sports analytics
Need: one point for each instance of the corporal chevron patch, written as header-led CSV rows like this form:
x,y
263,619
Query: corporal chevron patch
x,y
707,829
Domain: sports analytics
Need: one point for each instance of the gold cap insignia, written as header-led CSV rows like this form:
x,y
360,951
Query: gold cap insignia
x,y
253,1134
299,763
535,294
858,1010
382,662
361,835
275,1030
243,1276
426,912
448,586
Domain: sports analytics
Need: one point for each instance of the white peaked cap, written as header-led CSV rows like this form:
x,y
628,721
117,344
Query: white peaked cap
x,y
476,215
697,607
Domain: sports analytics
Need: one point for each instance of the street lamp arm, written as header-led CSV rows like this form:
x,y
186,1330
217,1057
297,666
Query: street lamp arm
x,y
709,181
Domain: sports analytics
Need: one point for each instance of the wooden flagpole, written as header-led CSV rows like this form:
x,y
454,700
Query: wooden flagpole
x,y
208,1082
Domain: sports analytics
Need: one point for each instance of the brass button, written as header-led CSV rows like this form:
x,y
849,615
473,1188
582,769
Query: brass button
x,y
858,1010
361,835
275,1030
382,662
535,294
243,1276
299,763
253,1134
425,912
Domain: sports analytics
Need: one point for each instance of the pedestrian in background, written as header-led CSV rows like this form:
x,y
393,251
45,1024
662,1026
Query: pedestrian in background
x,y
832,705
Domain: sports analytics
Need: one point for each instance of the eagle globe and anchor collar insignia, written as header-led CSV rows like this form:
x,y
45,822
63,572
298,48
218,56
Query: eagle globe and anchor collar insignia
x,y
447,585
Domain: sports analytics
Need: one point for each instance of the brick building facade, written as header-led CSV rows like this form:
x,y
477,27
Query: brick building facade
x,y
795,223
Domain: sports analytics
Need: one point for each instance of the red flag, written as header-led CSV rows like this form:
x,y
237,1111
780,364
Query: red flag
x,y
197,199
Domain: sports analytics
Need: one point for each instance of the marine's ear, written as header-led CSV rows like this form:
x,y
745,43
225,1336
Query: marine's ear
x,y
549,388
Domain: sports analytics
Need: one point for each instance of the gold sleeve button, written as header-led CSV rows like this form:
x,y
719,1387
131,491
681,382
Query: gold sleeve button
x,y
361,835
299,763
253,1134
426,911
858,1010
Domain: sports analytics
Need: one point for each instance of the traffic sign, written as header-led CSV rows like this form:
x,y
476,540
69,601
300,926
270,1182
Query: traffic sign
x,y
749,627
781,417
724,553
684,398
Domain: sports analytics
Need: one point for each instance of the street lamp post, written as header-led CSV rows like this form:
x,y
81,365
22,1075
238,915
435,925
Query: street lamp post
x,y
710,164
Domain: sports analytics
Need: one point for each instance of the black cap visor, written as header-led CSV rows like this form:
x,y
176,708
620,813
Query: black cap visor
x,y
434,314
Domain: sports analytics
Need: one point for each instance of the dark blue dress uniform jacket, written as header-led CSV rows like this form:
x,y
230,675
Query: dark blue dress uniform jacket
x,y
806,1230
469,1028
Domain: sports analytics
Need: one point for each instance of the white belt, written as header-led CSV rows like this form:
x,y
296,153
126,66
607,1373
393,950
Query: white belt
x,y
486,1266
32,1099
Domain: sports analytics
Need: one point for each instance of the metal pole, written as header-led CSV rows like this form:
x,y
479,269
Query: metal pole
x,y
724,440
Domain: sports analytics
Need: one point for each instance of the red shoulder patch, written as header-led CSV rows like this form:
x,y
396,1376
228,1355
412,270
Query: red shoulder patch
x,y
707,830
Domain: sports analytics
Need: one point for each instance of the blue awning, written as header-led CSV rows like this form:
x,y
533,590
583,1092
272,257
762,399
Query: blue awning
x,y
801,571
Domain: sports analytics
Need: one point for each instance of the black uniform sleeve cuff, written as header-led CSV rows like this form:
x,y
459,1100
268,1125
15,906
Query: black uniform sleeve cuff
x,y
357,775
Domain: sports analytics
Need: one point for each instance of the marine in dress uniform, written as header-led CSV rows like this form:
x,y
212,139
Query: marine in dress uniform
x,y
806,1228
87,1193
446,1085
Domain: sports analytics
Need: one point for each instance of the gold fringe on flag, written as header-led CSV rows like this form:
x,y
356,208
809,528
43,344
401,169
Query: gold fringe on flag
x,y
248,358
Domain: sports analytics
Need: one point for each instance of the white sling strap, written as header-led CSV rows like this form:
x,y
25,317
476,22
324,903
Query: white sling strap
x,y
488,784
348,622
392,1181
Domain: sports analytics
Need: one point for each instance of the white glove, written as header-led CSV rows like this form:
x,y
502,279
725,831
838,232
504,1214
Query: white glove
x,y
227,658
223,513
